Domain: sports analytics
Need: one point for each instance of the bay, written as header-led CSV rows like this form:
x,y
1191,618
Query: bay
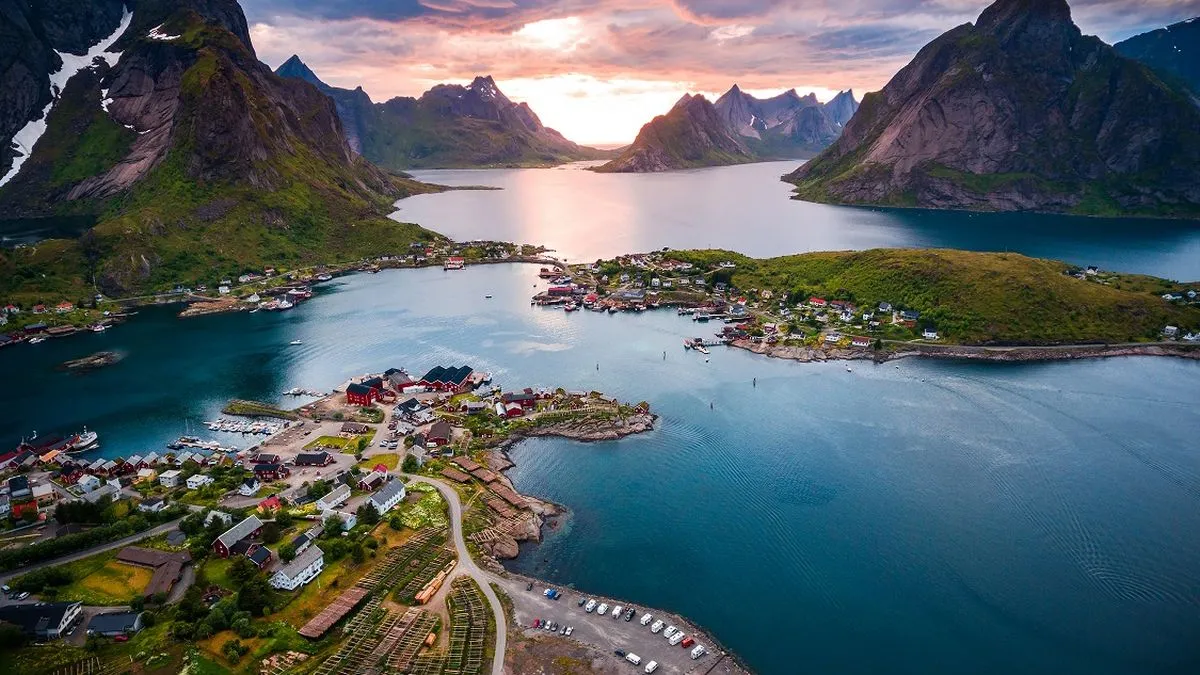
x,y
907,518
585,216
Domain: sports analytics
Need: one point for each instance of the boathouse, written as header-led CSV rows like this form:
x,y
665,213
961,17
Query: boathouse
x,y
454,380
271,471
361,394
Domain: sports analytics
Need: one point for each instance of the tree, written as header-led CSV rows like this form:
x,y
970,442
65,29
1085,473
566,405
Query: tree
x,y
241,570
358,553
333,525
396,522
361,444
318,489
411,464
271,533
284,519
287,553
368,514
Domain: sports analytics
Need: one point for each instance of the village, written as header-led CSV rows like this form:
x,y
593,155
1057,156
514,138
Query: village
x,y
266,289
389,493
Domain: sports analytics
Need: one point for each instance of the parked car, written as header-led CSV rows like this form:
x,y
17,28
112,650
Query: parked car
x,y
619,652
22,595
582,601
616,613
529,586
652,666
629,614
537,623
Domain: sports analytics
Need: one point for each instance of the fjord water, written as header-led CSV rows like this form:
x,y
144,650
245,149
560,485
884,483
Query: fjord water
x,y
585,216
916,517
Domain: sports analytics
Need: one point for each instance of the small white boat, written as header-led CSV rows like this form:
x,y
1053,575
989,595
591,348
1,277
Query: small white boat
x,y
254,310
99,328
848,369
488,296
295,343
284,304
37,340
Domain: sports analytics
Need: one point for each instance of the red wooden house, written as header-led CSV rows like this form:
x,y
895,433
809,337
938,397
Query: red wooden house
x,y
268,472
361,394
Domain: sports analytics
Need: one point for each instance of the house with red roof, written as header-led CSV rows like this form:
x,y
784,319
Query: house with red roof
x,y
817,302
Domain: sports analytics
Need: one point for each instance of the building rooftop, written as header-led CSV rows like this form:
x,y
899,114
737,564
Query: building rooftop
x,y
116,622
301,561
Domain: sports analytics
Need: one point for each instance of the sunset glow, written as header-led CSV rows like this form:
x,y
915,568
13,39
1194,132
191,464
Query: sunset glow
x,y
598,70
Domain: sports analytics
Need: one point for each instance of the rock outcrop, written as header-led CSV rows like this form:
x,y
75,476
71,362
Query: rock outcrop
x,y
1019,111
448,126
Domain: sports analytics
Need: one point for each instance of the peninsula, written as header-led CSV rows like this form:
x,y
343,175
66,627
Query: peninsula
x,y
890,303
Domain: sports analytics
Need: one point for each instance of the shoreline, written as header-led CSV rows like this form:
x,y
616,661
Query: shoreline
x,y
1013,354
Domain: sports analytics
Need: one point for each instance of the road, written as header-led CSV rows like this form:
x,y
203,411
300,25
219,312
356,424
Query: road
x,y
466,566
72,557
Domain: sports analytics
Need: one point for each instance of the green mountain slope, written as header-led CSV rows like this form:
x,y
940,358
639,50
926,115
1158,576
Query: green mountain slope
x,y
690,135
978,298
195,160
1173,52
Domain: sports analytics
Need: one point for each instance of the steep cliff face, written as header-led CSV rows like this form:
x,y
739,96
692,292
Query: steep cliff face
x,y
1017,112
196,157
787,125
448,126
1173,52
692,134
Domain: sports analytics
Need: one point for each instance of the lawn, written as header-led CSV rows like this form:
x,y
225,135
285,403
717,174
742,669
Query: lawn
x,y
217,571
101,580
389,459
340,443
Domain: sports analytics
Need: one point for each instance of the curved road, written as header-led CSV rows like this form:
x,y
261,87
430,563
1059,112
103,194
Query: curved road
x,y
466,566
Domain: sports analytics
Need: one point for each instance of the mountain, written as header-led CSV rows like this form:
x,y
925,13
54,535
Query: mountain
x,y
448,126
738,128
187,156
1173,52
1018,111
742,129
691,134
787,125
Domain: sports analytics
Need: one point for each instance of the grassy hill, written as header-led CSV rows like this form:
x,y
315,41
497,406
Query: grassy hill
x,y
977,298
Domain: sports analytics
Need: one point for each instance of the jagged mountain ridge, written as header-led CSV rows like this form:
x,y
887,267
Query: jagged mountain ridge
x,y
739,128
448,126
1019,111
691,134
193,156
1173,52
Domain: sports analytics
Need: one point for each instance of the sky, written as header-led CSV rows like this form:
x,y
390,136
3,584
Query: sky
x,y
597,70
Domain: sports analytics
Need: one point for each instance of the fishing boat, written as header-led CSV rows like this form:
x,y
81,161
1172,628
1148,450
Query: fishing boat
x,y
99,328
324,277
37,340
613,309
488,296
295,343
83,441
284,305
570,307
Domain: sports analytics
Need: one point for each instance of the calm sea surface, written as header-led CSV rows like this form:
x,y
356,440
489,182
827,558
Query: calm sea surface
x,y
916,517
585,215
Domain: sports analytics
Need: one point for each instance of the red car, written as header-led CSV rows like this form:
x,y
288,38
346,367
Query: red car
x,y
537,623
687,642
121,638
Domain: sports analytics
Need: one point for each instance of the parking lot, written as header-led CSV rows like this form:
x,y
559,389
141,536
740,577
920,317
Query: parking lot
x,y
609,633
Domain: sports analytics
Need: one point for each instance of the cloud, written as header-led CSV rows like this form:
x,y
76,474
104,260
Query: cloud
x,y
575,47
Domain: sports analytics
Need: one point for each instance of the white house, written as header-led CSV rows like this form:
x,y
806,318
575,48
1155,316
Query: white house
x,y
1171,331
153,505
249,487
334,499
388,496
349,520
929,334
197,481
218,515
88,482
169,478
303,569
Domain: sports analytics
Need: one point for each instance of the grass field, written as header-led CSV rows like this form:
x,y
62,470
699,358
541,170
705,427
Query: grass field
x,y
971,298
388,459
340,443
101,580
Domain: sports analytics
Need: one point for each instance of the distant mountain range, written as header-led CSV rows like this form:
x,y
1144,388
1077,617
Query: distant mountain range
x,y
738,128
187,154
1173,52
448,126
1019,111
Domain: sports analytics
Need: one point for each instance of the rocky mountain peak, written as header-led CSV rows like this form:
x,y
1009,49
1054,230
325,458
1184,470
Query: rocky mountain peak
x,y
295,68
1037,26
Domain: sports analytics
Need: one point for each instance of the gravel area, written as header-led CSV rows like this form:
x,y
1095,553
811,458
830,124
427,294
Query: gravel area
x,y
609,634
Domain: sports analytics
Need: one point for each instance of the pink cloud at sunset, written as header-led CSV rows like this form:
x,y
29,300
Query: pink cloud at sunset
x,y
597,71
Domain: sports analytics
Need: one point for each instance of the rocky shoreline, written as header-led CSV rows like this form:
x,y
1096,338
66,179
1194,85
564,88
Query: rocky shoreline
x,y
971,353
546,513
